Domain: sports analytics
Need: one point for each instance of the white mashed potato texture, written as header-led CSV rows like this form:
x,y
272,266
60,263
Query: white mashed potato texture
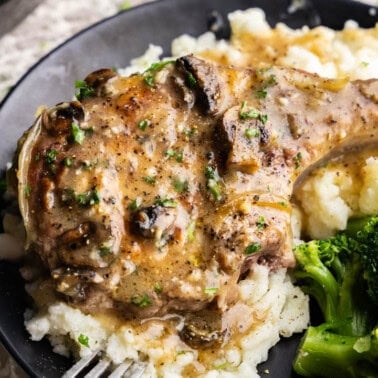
x,y
332,195
275,306
278,309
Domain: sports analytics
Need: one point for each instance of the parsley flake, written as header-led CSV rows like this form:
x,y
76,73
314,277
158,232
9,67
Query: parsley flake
x,y
84,90
88,198
141,300
78,134
83,340
213,182
260,223
298,160
177,155
261,93
149,74
252,248
149,180
190,230
158,289
142,125
50,156
104,251
210,290
124,5
135,204
251,113
251,133
67,162
27,190
165,202
191,80
181,186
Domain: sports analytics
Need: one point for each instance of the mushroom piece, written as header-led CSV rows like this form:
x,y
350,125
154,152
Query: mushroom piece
x,y
97,79
151,221
74,283
58,120
203,329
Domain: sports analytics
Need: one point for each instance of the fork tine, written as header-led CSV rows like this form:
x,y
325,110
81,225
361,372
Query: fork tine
x,y
120,370
136,370
79,366
97,370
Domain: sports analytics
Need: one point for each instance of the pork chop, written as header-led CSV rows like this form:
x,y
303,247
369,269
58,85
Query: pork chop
x,y
157,192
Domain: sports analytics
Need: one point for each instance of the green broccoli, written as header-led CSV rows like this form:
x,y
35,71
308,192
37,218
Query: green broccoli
x,y
341,274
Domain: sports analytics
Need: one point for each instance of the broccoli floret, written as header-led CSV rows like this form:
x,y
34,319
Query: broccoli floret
x,y
340,273
365,232
324,353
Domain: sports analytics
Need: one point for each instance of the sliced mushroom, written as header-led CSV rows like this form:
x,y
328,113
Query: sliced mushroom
x,y
203,329
74,282
149,221
97,79
58,120
207,86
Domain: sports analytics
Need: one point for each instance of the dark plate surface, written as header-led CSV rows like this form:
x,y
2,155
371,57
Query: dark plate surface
x,y
110,43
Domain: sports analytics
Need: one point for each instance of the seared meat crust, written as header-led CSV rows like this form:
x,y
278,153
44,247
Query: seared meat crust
x,y
158,191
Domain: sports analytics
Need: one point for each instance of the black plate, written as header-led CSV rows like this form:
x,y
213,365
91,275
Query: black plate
x,y
110,43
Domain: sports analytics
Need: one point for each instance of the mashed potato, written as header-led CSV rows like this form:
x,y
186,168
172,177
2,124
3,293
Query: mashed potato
x,y
279,309
339,191
324,203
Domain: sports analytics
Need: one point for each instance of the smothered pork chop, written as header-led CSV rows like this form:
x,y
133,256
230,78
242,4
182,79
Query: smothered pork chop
x,y
157,193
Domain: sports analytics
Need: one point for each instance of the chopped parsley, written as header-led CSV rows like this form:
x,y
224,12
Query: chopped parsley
x,y
141,300
104,251
142,125
135,204
181,186
222,366
260,223
165,202
213,182
251,113
190,230
270,81
124,5
261,93
298,160
149,180
67,162
210,290
177,155
84,90
78,134
27,190
191,80
251,133
158,289
149,74
190,132
170,152
83,340
88,198
50,156
252,248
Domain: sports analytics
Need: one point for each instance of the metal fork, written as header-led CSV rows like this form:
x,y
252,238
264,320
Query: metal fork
x,y
104,368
